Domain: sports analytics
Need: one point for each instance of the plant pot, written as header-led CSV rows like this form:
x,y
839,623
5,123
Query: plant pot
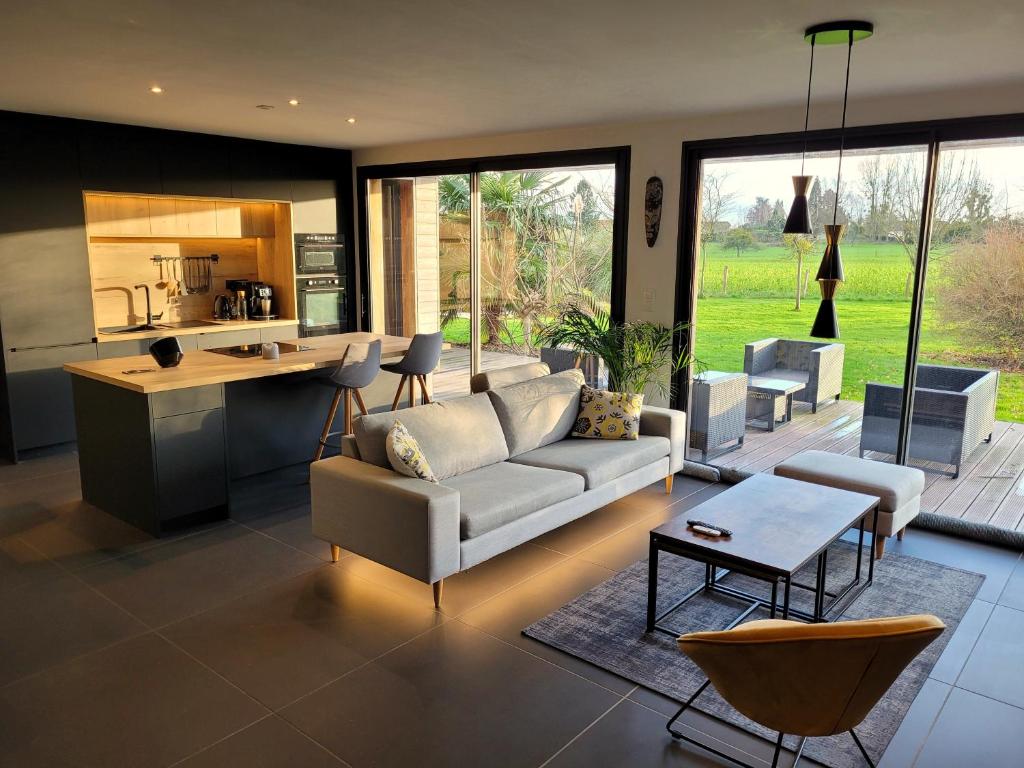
x,y
167,351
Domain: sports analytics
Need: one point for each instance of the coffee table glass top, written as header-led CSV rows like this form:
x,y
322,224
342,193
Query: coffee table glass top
x,y
774,386
777,524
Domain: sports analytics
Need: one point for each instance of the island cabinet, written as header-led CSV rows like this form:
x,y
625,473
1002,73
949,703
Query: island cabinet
x,y
157,460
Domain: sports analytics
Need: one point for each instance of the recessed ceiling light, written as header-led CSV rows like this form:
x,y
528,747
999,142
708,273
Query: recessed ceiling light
x,y
156,89
350,120
293,102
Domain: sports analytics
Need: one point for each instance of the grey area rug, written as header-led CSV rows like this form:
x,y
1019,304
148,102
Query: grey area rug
x,y
606,626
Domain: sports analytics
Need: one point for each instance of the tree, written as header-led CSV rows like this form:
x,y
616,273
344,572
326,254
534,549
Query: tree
x,y
798,246
759,214
715,203
740,239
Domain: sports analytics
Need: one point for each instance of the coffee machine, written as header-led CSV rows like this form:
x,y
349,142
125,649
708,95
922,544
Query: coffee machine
x,y
253,299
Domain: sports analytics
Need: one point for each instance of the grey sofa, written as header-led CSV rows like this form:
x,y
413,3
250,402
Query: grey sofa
x,y
954,412
508,472
817,365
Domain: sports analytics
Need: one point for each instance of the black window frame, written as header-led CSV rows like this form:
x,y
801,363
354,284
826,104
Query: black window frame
x,y
618,156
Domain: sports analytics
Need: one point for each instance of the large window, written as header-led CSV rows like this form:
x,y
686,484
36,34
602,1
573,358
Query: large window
x,y
929,312
491,255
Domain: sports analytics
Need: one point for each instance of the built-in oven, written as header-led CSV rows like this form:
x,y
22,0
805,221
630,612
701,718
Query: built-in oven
x,y
319,254
322,305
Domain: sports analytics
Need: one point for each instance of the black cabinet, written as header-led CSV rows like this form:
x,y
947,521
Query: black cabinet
x,y
195,164
119,158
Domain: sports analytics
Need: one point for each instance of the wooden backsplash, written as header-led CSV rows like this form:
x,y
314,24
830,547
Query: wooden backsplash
x,y
117,265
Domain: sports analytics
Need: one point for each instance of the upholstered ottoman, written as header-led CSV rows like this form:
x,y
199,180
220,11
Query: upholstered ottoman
x,y
899,488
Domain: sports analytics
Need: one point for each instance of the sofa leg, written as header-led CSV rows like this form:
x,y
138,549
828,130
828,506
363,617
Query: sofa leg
x,y
879,547
668,483
900,533
438,592
335,553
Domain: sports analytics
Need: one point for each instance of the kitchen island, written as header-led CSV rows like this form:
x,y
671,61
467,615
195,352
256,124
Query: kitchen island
x,y
159,447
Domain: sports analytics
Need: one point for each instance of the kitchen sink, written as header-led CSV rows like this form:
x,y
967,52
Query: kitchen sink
x,y
129,328
187,324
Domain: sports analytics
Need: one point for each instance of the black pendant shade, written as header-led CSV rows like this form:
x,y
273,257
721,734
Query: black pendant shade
x,y
799,220
830,275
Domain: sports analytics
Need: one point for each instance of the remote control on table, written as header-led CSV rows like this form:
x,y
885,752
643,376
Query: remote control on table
x,y
707,528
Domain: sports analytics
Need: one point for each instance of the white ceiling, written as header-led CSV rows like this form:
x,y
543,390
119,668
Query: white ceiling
x,y
412,70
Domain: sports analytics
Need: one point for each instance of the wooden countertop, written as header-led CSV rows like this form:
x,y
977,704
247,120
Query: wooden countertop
x,y
200,368
216,327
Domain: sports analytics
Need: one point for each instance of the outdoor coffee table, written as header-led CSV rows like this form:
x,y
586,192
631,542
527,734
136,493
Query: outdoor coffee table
x,y
778,526
771,400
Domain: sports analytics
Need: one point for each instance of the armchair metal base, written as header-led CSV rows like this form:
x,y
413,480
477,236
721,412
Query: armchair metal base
x,y
779,749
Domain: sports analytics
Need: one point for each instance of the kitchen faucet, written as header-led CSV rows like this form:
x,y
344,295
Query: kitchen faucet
x,y
149,308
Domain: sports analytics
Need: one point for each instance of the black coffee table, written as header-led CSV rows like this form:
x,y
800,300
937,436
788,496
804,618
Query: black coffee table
x,y
778,526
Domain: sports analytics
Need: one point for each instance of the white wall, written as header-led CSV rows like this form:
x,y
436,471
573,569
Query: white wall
x,y
656,151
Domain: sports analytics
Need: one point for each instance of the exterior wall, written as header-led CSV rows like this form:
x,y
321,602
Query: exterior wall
x,y
428,298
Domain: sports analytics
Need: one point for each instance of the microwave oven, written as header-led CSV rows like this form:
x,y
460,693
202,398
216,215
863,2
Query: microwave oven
x,y
319,254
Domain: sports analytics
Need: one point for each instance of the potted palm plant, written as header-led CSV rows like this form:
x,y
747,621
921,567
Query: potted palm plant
x,y
636,354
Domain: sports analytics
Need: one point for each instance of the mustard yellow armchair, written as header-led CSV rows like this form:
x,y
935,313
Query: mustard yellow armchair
x,y
806,679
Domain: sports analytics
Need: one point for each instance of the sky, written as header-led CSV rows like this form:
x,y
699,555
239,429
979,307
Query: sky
x,y
1001,164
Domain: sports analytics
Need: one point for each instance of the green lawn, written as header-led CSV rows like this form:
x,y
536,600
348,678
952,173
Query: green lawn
x,y
874,332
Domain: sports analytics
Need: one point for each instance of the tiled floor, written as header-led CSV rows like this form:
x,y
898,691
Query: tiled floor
x,y
239,644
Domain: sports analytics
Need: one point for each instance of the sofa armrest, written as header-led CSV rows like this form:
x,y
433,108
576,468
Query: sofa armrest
x,y
670,423
401,522
760,356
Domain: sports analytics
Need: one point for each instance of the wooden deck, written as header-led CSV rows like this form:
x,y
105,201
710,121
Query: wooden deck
x,y
990,488
451,379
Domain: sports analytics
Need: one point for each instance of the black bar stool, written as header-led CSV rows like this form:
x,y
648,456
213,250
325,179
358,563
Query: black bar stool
x,y
359,366
423,356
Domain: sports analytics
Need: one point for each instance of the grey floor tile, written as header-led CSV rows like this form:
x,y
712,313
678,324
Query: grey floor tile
x,y
254,497
76,534
995,563
995,667
630,735
286,640
21,564
959,648
463,590
973,730
53,461
140,702
52,621
451,697
293,527
655,497
916,725
169,582
1013,592
506,615
269,743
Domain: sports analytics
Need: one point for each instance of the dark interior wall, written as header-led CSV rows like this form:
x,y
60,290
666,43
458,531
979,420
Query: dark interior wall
x,y
45,294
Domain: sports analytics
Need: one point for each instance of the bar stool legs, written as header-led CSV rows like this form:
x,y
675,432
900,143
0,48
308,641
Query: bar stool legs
x,y
412,378
339,393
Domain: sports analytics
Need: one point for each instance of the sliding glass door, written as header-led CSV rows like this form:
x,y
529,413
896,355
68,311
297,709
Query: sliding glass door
x,y
490,256
757,298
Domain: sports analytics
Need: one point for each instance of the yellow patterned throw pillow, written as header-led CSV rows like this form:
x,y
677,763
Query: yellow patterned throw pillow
x,y
608,415
405,454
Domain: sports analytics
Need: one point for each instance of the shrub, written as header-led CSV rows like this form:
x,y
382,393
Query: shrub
x,y
982,293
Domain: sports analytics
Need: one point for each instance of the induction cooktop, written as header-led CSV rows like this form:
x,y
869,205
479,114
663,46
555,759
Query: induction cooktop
x,y
256,350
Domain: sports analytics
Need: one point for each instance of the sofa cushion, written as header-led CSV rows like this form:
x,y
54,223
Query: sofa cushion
x,y
405,455
608,415
895,485
505,377
788,374
455,435
492,496
598,461
538,411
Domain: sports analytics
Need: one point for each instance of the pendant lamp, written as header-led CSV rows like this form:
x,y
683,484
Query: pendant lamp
x,y
830,272
798,222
